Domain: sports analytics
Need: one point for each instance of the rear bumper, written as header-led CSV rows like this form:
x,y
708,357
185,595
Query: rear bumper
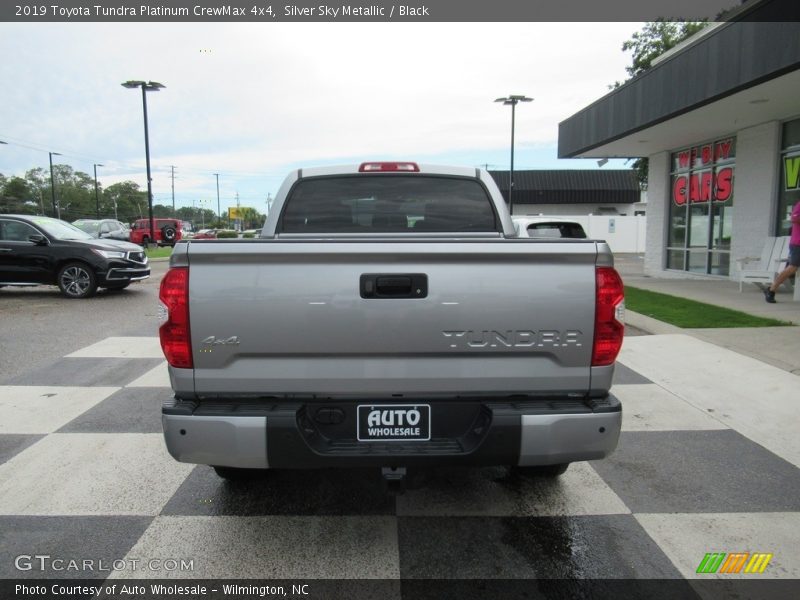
x,y
487,432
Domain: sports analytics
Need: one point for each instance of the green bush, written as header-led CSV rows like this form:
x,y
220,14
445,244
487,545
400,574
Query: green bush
x,y
248,236
227,233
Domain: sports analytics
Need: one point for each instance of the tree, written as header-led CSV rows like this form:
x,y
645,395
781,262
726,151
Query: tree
x,y
130,202
16,197
251,218
652,41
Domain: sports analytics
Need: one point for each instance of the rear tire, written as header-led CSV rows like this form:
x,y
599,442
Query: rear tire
x,y
546,471
77,280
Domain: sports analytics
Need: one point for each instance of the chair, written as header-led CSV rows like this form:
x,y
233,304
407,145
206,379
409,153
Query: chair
x,y
767,266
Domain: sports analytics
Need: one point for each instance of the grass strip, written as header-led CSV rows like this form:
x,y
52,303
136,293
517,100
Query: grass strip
x,y
690,314
160,252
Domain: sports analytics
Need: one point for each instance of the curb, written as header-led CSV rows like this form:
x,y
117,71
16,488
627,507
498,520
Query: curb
x,y
649,324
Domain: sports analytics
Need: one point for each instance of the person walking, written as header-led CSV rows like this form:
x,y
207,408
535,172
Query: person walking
x,y
794,257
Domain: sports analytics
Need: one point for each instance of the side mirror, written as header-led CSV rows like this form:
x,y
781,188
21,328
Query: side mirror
x,y
38,239
105,234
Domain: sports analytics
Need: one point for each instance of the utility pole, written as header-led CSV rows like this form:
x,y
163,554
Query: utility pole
x,y
219,211
238,216
173,190
96,195
56,209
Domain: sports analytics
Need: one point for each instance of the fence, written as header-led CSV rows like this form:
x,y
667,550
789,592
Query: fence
x,y
623,233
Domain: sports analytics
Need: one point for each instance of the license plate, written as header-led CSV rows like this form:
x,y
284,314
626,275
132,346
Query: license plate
x,y
394,422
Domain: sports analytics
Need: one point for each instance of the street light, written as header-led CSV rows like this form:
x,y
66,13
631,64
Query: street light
x,y
147,86
96,196
512,100
56,210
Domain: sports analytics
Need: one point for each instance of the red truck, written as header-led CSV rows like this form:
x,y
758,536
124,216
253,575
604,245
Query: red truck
x,y
168,231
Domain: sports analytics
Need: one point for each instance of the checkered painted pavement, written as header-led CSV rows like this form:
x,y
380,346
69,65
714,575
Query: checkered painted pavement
x,y
707,462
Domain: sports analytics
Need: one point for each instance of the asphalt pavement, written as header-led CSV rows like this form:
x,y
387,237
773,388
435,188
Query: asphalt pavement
x,y
40,325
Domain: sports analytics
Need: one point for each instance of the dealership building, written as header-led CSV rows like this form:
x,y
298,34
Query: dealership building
x,y
718,117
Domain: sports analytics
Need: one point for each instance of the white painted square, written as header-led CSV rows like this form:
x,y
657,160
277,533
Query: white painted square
x,y
123,347
649,407
91,474
273,547
494,493
44,409
686,538
155,377
755,399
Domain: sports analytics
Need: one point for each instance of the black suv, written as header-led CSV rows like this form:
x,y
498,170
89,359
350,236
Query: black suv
x,y
40,250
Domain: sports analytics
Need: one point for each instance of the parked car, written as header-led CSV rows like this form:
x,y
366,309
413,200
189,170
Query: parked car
x,y
213,234
547,227
44,251
104,228
168,231
188,230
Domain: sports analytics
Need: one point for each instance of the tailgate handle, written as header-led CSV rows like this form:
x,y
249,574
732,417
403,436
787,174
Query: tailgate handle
x,y
394,285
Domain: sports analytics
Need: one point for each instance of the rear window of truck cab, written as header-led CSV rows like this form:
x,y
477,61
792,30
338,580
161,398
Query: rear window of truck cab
x,y
388,204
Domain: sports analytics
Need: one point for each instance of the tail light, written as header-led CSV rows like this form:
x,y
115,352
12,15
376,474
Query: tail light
x,y
384,167
174,316
609,317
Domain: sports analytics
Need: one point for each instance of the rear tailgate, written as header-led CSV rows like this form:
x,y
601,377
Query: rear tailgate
x,y
275,317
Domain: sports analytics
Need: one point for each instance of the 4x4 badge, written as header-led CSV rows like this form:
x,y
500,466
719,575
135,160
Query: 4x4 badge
x,y
211,341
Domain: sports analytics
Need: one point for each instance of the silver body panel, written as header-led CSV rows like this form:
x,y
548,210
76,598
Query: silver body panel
x,y
556,439
501,316
223,441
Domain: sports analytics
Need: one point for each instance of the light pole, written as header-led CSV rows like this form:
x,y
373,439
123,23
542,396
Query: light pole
x,y
147,86
513,100
56,209
2,142
96,195
173,191
219,211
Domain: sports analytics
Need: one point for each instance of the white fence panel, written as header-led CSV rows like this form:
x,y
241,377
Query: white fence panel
x,y
623,234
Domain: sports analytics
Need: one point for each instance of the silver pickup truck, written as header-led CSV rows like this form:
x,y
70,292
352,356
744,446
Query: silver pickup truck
x,y
389,316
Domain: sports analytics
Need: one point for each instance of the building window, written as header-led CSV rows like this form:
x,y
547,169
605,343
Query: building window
x,y
790,176
701,208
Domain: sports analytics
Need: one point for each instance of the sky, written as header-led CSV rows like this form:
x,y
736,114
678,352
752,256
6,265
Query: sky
x,y
252,101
